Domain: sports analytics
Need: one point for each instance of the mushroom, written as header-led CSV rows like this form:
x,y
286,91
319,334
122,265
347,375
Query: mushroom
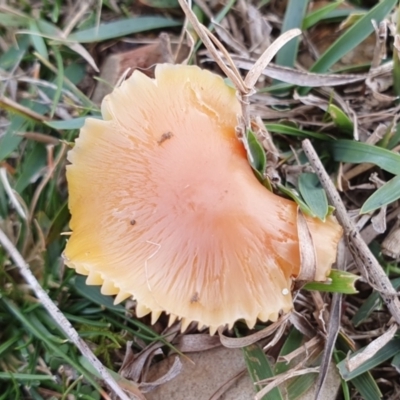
x,y
166,209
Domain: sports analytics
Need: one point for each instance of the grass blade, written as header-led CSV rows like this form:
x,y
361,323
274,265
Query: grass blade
x,y
370,305
259,368
386,352
313,194
338,282
385,195
122,27
353,152
353,36
293,131
316,16
295,12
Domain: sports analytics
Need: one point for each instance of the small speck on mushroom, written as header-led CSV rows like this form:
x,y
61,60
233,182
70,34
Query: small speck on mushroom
x,y
224,236
164,137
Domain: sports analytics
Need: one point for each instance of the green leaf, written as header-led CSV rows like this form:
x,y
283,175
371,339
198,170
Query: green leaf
x,y
353,152
314,195
385,195
122,27
259,368
316,16
294,14
353,36
389,350
337,282
257,157
340,119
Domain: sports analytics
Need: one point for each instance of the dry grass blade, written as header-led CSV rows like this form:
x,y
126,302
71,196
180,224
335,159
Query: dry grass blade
x,y
278,379
173,371
363,258
255,337
360,358
201,31
58,316
257,69
14,107
12,195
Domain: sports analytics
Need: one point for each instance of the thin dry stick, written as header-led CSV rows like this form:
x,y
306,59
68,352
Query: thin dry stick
x,y
57,315
366,263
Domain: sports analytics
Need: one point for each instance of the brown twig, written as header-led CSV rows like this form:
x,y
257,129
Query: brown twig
x,y
365,261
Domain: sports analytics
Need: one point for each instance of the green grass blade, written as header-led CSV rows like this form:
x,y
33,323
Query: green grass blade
x,y
10,141
292,342
259,368
161,3
37,40
353,152
293,131
292,193
257,157
299,385
370,305
314,195
69,124
396,62
294,14
385,195
93,294
340,119
59,79
56,349
338,282
316,16
124,27
26,377
386,352
353,36
367,387
33,163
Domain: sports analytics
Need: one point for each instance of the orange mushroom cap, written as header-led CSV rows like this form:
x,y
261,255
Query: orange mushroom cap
x,y
166,209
